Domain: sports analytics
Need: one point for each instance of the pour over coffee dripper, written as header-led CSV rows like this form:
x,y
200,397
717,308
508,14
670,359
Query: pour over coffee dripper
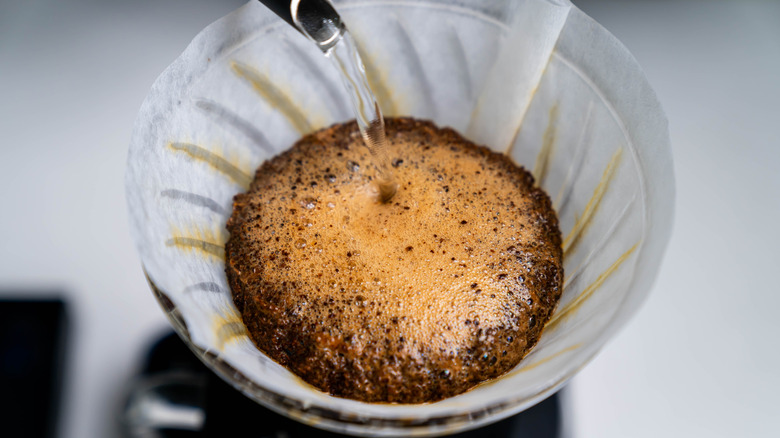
x,y
537,79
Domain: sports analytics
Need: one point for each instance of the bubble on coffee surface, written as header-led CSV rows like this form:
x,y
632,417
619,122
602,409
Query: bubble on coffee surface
x,y
447,285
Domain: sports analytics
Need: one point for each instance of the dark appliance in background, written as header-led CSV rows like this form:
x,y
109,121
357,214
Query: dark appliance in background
x,y
32,356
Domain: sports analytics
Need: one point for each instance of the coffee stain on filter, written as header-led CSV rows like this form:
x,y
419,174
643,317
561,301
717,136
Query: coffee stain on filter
x,y
205,241
232,170
572,307
274,95
543,361
542,164
584,220
229,328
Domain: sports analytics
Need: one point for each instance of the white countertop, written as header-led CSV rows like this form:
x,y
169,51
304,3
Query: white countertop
x,y
701,358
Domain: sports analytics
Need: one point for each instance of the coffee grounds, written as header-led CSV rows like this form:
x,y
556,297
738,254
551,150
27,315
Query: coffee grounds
x,y
447,285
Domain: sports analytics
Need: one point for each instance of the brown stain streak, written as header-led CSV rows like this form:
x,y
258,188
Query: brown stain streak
x,y
513,141
274,96
575,305
544,360
542,165
217,162
476,110
460,59
204,246
574,274
570,242
577,158
229,330
528,106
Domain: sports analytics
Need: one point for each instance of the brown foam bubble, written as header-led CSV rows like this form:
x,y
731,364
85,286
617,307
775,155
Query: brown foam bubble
x,y
413,300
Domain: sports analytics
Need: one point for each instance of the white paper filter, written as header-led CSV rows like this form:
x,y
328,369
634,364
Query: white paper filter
x,y
537,79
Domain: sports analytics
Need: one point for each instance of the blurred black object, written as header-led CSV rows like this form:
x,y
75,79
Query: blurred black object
x,y
32,347
177,396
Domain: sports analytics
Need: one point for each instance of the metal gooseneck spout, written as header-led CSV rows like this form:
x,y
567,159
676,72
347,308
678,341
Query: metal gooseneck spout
x,y
316,19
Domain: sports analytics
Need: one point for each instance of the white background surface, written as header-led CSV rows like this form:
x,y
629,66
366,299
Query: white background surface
x,y
701,358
